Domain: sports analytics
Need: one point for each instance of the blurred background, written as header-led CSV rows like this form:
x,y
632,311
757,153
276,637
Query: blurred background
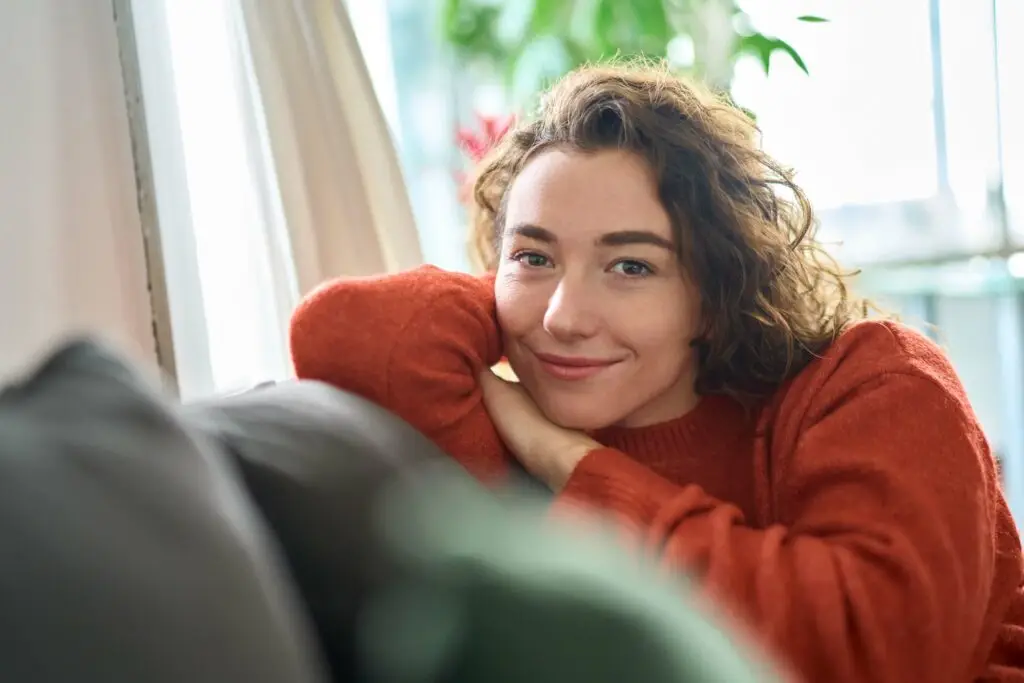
x,y
178,172
899,118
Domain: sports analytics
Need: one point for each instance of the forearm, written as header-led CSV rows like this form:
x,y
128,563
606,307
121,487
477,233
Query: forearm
x,y
413,343
838,598
344,332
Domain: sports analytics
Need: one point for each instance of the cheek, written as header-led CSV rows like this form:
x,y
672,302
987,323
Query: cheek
x,y
520,307
662,335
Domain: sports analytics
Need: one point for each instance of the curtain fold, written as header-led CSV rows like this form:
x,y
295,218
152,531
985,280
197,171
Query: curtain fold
x,y
342,192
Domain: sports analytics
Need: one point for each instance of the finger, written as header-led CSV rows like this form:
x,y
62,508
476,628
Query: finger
x,y
507,402
501,388
500,405
492,387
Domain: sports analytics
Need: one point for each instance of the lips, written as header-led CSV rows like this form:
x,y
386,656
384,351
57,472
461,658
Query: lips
x,y
573,367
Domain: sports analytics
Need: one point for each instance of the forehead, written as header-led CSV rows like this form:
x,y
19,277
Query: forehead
x,y
576,194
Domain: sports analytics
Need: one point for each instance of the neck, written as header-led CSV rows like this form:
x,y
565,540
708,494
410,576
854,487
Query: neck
x,y
670,405
710,420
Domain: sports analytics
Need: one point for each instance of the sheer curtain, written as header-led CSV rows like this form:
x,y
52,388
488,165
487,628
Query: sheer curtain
x,y
273,169
343,193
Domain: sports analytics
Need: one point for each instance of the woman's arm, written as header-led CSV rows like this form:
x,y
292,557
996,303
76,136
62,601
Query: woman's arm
x,y
415,343
886,568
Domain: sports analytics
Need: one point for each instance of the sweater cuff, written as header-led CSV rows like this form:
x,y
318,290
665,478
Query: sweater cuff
x,y
608,480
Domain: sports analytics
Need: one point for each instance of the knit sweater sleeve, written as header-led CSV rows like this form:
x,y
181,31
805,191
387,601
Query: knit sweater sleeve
x,y
415,343
884,564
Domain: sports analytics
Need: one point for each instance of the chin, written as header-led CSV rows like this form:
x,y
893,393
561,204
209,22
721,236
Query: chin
x,y
582,416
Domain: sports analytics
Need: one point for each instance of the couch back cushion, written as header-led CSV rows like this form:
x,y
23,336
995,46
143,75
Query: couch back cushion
x,y
130,552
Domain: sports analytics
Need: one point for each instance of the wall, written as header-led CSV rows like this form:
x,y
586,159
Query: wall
x,y
71,251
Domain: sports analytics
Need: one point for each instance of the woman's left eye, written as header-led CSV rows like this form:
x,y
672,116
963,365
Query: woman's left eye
x,y
633,268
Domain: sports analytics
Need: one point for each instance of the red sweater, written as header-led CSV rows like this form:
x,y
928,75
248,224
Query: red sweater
x,y
855,521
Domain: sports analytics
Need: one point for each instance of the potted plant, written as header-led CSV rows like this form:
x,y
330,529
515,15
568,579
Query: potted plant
x,y
528,43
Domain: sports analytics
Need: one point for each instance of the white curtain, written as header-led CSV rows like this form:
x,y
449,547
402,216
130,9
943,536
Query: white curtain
x,y
272,170
343,196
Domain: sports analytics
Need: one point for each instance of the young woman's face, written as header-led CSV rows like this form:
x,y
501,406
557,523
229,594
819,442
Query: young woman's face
x,y
596,312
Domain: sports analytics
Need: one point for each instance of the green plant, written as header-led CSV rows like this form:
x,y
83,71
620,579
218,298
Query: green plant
x,y
530,42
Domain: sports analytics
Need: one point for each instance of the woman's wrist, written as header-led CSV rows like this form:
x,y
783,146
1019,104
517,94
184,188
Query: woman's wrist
x,y
565,460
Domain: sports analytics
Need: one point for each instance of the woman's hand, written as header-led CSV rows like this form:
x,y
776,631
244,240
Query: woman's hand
x,y
547,451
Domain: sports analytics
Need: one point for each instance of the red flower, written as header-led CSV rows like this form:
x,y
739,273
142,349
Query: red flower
x,y
476,144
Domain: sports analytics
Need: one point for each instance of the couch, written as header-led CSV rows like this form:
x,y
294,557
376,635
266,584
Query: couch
x,y
299,534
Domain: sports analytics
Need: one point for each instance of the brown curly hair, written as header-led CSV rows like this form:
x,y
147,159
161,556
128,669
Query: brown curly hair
x,y
771,297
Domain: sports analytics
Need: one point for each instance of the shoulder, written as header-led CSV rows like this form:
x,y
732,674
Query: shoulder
x,y
869,360
390,296
424,281
352,326
875,348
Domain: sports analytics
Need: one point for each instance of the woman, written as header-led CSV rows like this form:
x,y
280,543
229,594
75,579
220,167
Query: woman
x,y
692,365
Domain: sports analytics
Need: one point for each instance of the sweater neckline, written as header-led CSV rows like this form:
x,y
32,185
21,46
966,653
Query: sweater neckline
x,y
712,421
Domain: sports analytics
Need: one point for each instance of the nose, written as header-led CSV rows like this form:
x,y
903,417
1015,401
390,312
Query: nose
x,y
571,315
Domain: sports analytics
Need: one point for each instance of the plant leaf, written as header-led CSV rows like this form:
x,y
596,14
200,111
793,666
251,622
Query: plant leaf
x,y
762,47
539,62
545,16
793,54
450,11
604,22
653,30
811,19
470,28
757,45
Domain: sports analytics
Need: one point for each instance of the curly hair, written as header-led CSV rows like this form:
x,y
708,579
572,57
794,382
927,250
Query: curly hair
x,y
771,297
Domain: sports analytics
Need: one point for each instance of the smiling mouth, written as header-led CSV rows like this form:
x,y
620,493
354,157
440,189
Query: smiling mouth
x,y
573,368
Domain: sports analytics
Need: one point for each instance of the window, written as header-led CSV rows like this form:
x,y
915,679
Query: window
x,y
859,129
893,133
229,282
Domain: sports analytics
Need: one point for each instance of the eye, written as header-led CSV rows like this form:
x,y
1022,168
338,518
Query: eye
x,y
632,268
532,259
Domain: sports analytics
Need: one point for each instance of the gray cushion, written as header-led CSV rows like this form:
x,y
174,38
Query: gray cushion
x,y
415,573
314,459
129,552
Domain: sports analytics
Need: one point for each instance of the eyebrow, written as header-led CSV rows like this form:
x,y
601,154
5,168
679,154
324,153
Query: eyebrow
x,y
609,239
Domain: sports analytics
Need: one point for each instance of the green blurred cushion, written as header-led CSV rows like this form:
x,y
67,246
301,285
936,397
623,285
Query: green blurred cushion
x,y
492,594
